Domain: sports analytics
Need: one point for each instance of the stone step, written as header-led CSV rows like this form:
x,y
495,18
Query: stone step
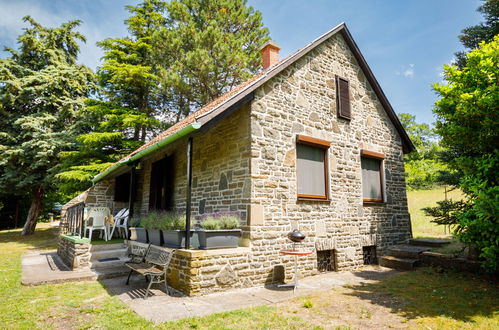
x,y
111,272
398,263
407,251
431,242
103,254
104,247
107,264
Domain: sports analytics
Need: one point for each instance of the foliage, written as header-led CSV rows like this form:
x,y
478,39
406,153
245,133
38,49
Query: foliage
x,y
125,116
220,221
134,222
422,166
41,96
467,121
164,220
473,35
206,48
447,213
107,132
129,75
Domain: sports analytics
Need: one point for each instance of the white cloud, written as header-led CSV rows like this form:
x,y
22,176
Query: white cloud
x,y
409,72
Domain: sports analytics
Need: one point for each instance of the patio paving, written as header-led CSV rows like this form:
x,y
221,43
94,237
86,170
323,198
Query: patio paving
x,y
160,307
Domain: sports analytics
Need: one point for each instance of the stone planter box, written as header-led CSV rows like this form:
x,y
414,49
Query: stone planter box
x,y
217,239
176,239
154,236
141,234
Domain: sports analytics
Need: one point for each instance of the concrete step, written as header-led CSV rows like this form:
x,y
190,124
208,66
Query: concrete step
x,y
103,247
111,272
103,254
407,251
431,242
398,263
108,264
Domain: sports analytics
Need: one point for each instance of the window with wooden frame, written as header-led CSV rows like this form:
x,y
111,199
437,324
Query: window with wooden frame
x,y
343,98
372,176
312,168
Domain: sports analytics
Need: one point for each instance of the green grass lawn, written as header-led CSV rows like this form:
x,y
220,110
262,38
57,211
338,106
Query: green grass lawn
x,y
420,299
421,225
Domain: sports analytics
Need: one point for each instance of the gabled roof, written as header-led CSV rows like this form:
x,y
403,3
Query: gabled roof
x,y
240,93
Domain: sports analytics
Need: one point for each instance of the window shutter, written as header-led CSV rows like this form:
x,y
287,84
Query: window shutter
x,y
343,98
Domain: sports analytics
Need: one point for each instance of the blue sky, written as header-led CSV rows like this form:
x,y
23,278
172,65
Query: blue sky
x,y
405,42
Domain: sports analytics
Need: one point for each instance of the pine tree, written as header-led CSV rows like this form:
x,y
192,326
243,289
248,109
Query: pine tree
x,y
485,31
206,48
129,76
41,94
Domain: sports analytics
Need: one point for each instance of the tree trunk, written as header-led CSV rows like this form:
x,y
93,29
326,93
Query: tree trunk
x,y
34,211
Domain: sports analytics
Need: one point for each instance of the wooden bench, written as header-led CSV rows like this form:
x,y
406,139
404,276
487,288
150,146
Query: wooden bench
x,y
149,260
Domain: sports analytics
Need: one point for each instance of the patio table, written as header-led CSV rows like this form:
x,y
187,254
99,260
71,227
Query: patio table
x,y
296,253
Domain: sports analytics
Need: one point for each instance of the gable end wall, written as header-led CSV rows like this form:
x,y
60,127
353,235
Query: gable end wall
x,y
302,100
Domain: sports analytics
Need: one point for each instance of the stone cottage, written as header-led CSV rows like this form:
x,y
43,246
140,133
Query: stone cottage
x,y
311,143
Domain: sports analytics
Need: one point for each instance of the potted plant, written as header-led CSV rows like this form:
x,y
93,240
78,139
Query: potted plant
x,y
219,231
172,226
152,223
137,232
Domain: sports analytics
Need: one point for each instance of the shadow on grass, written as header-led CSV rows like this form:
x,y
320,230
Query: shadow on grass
x,y
45,237
427,293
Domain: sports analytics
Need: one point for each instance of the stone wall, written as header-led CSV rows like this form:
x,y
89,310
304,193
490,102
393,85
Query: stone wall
x,y
196,272
302,100
74,252
220,169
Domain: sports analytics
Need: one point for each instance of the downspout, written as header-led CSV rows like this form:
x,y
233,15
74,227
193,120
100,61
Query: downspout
x,y
188,197
147,151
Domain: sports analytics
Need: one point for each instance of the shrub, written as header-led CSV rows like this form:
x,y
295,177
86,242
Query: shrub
x,y
172,221
219,221
134,222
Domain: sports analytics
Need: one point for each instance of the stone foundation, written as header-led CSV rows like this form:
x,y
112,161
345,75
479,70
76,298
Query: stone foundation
x,y
74,251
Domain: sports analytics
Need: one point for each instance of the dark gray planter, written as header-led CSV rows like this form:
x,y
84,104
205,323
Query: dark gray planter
x,y
176,239
141,234
154,236
216,239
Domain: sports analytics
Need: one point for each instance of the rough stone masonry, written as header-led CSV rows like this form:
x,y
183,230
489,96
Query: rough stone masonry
x,y
247,163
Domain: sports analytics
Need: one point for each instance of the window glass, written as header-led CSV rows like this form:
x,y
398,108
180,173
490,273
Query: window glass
x,y
311,172
371,179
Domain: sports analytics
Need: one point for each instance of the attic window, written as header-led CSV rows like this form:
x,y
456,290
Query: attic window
x,y
343,98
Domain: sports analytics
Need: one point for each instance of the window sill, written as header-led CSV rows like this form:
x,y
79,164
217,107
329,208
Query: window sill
x,y
373,203
307,199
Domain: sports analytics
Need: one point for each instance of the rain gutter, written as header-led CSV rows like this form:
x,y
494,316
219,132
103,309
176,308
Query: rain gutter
x,y
147,151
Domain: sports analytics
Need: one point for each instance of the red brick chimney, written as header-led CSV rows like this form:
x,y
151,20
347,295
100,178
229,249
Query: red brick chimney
x,y
270,54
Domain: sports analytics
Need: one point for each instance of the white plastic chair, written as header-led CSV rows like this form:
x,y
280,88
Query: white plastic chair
x,y
98,215
120,222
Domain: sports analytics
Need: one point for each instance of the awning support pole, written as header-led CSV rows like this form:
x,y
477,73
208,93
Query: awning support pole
x,y
132,192
188,197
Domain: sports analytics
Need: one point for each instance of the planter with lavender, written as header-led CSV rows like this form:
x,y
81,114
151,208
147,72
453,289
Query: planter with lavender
x,y
152,222
174,234
219,231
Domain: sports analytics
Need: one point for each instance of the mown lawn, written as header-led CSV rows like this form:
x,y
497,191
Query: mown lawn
x,y
421,225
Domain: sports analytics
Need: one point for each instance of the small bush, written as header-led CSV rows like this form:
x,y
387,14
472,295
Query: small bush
x,y
219,221
134,222
172,221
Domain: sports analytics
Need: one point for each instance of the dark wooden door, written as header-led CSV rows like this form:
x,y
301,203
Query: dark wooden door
x,y
161,189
